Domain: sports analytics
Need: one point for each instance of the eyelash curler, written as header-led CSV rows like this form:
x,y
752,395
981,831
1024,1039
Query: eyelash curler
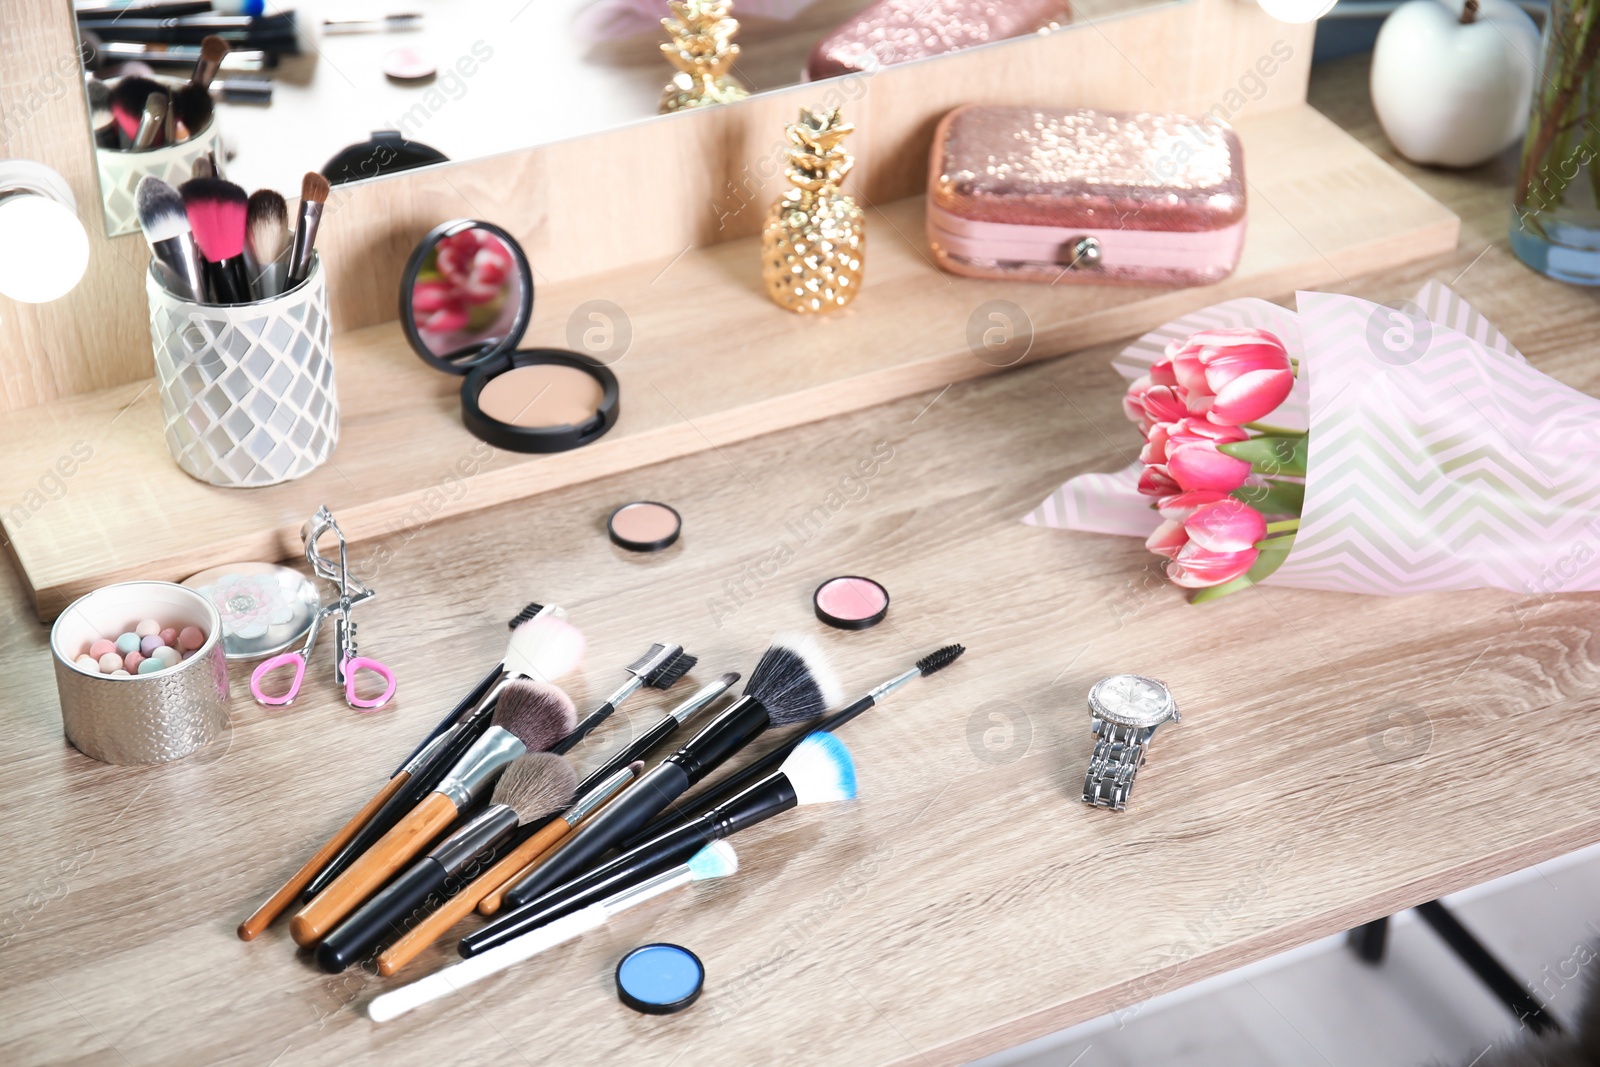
x,y
347,663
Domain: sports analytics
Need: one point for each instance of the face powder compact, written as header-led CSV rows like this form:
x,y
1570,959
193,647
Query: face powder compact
x,y
465,301
851,602
264,607
644,526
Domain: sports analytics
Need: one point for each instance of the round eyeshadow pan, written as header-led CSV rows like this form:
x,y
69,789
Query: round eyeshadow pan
x,y
644,526
540,395
660,979
851,602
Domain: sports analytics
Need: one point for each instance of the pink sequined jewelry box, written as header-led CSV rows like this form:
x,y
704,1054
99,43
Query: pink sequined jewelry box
x,y
1028,194
889,32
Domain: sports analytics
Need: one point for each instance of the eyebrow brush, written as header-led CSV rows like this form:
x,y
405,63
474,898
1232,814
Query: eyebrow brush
x,y
659,668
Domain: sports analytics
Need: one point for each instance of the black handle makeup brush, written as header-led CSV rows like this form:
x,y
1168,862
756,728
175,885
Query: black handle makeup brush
x,y
314,189
679,814
544,647
534,786
669,723
818,771
217,211
275,33
193,108
659,668
165,223
791,684
127,99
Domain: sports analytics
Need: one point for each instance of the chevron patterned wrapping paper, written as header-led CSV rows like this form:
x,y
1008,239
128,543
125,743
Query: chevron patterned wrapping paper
x,y
1439,459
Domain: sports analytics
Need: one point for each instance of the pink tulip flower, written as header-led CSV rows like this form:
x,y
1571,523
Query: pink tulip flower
x,y
1200,568
1245,372
1168,539
1196,464
1225,525
1180,506
1215,543
1155,481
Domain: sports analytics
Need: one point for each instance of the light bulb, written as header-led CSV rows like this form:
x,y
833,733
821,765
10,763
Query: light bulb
x,y
1297,10
46,247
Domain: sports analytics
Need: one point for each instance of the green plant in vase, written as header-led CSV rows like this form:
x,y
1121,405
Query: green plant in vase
x,y
1555,227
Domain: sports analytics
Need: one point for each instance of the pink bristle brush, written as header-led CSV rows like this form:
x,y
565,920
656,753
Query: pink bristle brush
x,y
128,98
217,211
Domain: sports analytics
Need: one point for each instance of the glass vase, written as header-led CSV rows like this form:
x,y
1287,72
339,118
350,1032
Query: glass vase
x,y
1555,228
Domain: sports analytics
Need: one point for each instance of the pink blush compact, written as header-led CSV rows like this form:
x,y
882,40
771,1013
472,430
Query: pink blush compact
x,y
851,602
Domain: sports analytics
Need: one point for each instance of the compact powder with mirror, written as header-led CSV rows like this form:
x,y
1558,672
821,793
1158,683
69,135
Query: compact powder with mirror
x,y
465,300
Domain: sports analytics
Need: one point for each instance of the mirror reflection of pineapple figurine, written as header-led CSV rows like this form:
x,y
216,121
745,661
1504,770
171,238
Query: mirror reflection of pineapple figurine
x,y
815,236
702,50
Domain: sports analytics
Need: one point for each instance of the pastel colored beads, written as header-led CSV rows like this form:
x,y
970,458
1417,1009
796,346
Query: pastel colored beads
x,y
132,660
151,665
147,628
128,643
147,648
190,639
166,654
110,662
101,647
149,643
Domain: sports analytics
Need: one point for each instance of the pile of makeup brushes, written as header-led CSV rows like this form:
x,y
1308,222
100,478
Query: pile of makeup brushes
x,y
136,114
488,814
214,245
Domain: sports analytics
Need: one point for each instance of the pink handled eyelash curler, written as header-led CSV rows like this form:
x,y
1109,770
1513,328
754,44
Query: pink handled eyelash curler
x,y
346,663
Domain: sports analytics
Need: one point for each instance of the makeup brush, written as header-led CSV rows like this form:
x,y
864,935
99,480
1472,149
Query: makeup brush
x,y
106,132
212,51
192,106
401,23
792,683
818,771
545,647
679,814
152,123
533,786
313,195
217,215
659,668
127,99
541,836
704,697
251,928
529,716
165,223
717,860
274,33
266,241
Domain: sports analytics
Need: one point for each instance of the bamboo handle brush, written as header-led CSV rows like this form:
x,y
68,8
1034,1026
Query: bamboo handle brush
x,y
529,716
458,907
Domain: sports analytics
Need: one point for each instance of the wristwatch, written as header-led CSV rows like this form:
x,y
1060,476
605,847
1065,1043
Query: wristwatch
x,y
1124,711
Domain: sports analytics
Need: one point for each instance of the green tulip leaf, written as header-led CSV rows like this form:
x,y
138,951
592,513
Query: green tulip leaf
x,y
1268,561
1274,498
1271,455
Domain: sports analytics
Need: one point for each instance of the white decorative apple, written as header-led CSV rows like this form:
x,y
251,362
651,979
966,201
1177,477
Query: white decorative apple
x,y
1451,82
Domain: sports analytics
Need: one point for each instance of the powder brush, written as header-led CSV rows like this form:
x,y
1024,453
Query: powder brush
x,y
216,211
934,661
820,770
165,223
106,132
717,860
524,845
314,189
546,647
266,241
127,100
275,905
530,716
212,51
532,787
792,683
659,668
192,106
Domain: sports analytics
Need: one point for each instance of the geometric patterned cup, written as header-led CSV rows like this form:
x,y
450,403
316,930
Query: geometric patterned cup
x,y
247,394
121,171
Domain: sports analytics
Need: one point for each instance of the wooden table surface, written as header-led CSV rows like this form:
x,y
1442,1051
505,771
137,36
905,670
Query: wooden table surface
x,y
1341,757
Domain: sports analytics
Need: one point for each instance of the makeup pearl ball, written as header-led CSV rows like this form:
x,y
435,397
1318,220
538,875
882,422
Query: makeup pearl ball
x,y
151,665
147,627
132,660
169,636
149,643
110,662
128,643
88,663
191,639
121,674
101,647
166,654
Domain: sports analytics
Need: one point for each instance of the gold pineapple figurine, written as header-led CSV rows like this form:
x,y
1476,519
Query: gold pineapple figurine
x,y
814,237
702,50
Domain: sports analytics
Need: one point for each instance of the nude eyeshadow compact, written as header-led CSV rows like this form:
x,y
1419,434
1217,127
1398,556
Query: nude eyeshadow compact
x,y
465,301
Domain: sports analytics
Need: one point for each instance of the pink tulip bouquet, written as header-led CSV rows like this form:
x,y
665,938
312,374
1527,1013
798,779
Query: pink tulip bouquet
x,y
1349,446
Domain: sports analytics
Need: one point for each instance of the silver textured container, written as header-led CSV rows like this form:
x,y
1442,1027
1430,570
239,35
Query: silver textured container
x,y
149,718
247,392
121,172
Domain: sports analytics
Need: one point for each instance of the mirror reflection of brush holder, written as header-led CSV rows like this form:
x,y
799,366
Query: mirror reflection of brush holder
x,y
121,171
148,718
247,390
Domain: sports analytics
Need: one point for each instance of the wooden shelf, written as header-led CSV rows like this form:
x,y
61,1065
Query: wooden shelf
x,y
711,362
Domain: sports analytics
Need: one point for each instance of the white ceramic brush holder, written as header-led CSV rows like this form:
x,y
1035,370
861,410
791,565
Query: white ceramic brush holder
x,y
121,172
247,391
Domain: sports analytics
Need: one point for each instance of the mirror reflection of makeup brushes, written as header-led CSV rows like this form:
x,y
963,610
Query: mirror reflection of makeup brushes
x,y
127,99
512,857
529,716
727,787
792,683
820,770
531,788
545,647
716,860
212,51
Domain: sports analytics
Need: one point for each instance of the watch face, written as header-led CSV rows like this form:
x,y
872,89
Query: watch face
x,y
1132,700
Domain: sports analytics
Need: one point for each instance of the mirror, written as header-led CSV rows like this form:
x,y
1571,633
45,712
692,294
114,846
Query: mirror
x,y
305,87
466,295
